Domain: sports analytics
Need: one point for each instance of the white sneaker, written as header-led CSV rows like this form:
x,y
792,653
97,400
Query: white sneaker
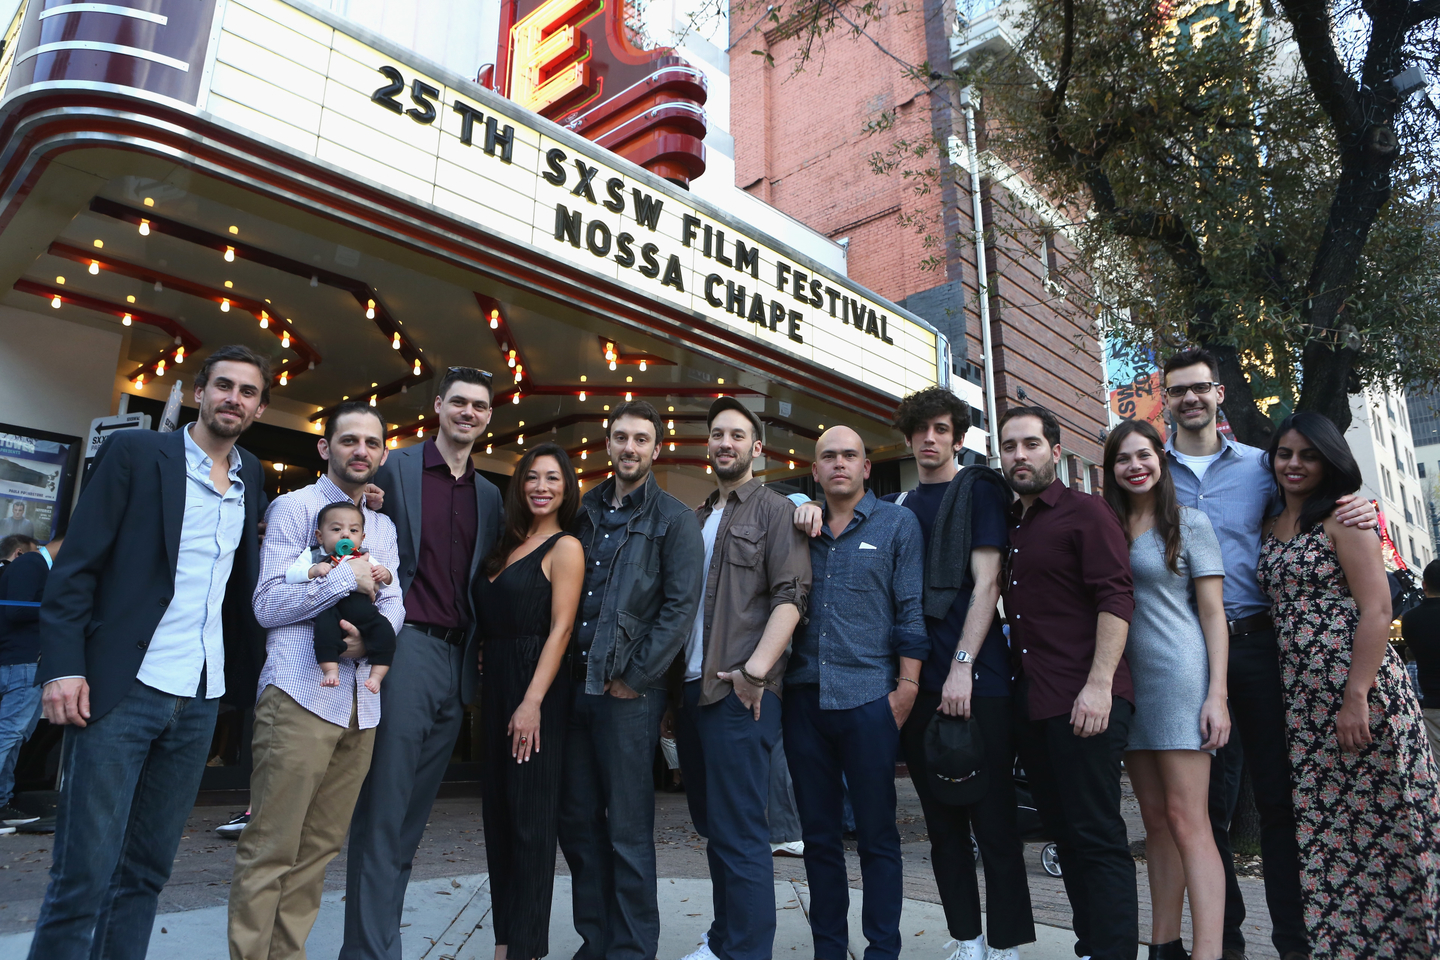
x,y
795,848
1009,953
967,949
703,952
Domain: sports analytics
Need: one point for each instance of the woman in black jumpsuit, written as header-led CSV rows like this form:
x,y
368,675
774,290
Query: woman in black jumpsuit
x,y
525,606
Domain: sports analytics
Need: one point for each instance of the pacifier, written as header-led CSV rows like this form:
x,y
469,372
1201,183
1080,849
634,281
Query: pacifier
x,y
344,547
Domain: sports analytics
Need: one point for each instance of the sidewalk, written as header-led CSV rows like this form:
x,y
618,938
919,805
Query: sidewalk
x,y
449,919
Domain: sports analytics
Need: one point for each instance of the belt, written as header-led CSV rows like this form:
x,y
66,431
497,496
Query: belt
x,y
455,636
1251,624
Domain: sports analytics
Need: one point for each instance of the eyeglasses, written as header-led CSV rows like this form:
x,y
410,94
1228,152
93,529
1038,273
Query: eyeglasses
x,y
1200,389
484,375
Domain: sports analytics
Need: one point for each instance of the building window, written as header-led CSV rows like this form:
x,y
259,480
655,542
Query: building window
x,y
1375,423
1420,469
1399,460
1394,534
1414,557
1389,410
1389,490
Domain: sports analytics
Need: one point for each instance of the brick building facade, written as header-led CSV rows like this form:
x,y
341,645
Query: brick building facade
x,y
805,141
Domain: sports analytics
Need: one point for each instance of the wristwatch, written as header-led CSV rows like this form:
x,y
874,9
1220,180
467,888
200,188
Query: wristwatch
x,y
962,656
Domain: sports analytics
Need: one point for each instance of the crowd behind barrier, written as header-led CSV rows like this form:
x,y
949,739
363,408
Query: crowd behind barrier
x,y
1218,606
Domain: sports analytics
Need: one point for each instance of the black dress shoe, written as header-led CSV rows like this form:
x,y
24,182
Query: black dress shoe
x,y
1174,950
1230,953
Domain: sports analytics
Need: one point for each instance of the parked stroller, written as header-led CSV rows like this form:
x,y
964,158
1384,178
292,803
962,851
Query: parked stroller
x,y
1027,819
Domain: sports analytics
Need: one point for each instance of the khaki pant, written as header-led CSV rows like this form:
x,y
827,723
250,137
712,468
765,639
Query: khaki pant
x,y
306,775
1432,727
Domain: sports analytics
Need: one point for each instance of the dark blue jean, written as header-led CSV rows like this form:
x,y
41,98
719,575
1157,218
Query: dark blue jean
x,y
725,759
130,782
859,745
607,822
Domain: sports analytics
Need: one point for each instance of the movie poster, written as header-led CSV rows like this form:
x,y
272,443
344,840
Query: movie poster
x,y
35,479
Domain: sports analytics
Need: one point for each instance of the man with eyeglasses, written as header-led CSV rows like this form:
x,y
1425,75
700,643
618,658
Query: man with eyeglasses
x,y
448,517
1231,483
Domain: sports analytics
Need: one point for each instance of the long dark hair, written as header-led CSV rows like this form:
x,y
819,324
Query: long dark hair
x,y
1167,506
517,511
1342,473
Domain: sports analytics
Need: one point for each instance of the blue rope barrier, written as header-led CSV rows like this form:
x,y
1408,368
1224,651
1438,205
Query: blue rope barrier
x,y
18,603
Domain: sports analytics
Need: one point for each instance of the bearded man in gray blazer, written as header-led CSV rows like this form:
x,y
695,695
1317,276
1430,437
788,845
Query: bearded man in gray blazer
x,y
447,517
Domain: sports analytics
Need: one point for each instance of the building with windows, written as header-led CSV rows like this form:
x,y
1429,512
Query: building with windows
x,y
801,144
1425,432
1394,473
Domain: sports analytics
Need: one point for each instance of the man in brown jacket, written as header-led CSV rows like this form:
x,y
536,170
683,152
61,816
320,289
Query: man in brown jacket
x,y
756,586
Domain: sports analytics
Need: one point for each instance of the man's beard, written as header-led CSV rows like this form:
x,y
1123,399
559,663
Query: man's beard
x,y
632,471
213,424
1206,424
737,469
347,472
1041,476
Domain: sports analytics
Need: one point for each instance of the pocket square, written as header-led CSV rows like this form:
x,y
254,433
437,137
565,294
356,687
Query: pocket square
x,y
868,546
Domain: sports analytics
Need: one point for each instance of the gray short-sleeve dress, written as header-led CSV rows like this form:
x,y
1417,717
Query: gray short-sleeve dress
x,y
1166,651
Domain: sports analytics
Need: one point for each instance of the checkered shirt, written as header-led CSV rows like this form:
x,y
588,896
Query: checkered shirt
x,y
287,611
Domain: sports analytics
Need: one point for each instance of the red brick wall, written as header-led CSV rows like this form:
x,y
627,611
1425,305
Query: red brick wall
x,y
801,145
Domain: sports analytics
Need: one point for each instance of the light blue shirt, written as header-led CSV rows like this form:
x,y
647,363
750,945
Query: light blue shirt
x,y
191,636
49,560
1236,494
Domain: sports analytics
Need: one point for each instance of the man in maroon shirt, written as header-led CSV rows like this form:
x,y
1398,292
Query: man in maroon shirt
x,y
447,517
1069,598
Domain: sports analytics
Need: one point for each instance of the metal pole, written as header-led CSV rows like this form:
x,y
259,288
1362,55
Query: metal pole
x,y
982,282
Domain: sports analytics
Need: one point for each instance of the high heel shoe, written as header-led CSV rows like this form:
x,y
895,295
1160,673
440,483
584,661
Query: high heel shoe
x,y
1174,950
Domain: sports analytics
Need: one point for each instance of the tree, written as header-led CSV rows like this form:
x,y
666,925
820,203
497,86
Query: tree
x,y
1258,186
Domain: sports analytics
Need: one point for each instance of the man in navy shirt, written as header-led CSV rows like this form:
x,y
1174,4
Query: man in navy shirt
x,y
966,673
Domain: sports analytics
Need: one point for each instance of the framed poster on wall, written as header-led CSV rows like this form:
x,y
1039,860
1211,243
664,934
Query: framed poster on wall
x,y
37,477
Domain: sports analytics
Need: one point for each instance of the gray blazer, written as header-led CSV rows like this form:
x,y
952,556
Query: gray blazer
x,y
400,478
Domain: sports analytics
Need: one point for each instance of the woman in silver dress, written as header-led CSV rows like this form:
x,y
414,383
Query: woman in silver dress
x,y
1177,650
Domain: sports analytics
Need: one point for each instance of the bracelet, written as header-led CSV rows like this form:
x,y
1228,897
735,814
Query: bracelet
x,y
908,680
753,681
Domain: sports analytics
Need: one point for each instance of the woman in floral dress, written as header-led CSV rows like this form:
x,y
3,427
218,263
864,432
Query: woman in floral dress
x,y
1367,801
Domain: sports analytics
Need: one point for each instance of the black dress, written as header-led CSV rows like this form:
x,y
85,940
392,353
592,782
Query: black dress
x,y
522,800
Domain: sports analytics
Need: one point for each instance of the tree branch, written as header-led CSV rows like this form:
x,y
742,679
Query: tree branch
x,y
1421,10
1336,90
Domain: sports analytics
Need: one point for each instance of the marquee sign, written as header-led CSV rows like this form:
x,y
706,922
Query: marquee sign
x,y
316,87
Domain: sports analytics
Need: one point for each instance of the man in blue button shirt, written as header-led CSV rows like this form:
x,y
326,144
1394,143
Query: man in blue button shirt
x,y
1231,484
845,704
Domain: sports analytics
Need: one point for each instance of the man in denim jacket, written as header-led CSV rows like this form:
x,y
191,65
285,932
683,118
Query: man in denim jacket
x,y
643,579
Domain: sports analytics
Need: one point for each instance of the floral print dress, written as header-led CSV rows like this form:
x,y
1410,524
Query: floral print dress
x,y
1368,823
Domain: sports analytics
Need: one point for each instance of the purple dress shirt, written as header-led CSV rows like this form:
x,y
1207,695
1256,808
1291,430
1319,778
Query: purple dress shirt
x,y
440,593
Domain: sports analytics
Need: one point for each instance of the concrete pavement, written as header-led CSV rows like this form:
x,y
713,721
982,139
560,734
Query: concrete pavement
x,y
449,919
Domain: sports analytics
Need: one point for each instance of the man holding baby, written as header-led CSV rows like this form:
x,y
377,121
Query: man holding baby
x,y
313,737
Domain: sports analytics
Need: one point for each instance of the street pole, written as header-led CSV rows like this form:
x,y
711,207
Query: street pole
x,y
967,103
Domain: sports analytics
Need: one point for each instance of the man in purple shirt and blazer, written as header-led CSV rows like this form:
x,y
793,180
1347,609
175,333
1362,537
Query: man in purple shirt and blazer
x,y
1069,598
447,517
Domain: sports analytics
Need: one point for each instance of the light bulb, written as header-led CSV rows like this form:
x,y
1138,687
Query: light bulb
x,y
279,468
520,439
179,354
229,254
394,443
642,366
140,380
224,305
395,341
510,361
420,432
494,319
628,396
792,464
160,368
314,280
672,445
515,399
284,377
264,320
584,454
707,469
519,372
144,228
94,267
285,339
125,320
612,364
670,425
370,310
372,399
582,396
418,371
55,301
159,286
489,447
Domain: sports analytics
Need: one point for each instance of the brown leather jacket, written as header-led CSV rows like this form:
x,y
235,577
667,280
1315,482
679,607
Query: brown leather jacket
x,y
760,562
